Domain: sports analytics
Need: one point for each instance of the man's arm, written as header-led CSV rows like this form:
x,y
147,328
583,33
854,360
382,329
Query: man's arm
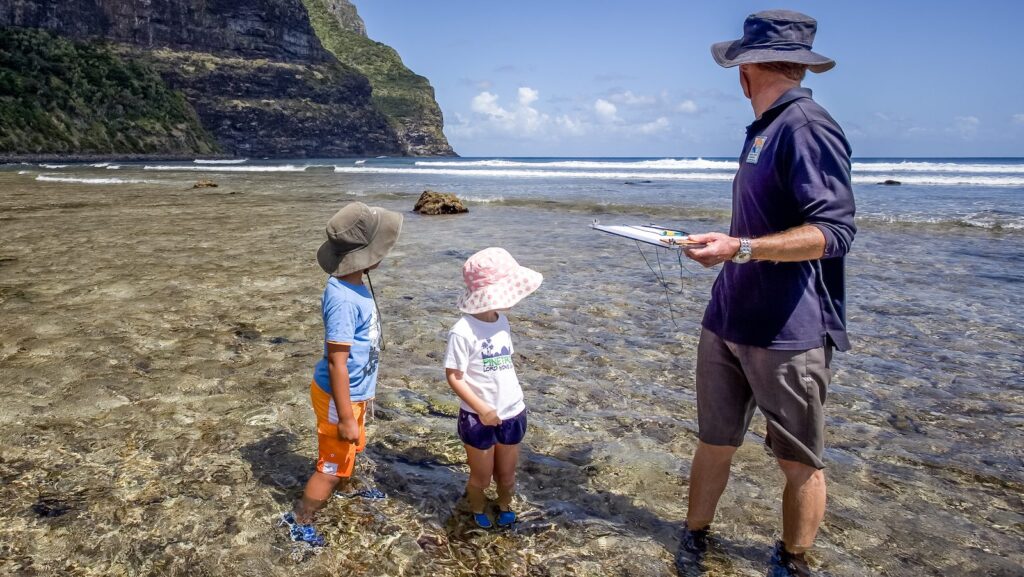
x,y
804,242
337,369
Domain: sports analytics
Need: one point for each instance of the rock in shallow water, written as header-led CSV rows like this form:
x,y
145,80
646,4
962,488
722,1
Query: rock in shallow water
x,y
431,202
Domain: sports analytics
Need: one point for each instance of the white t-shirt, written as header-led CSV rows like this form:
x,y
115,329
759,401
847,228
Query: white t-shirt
x,y
483,352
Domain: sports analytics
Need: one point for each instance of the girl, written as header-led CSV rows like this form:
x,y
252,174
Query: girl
x,y
478,365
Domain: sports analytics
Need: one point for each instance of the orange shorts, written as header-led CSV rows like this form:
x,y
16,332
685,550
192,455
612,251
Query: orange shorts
x,y
337,457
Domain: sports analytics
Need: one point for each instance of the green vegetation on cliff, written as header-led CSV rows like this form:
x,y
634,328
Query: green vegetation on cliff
x,y
63,97
404,96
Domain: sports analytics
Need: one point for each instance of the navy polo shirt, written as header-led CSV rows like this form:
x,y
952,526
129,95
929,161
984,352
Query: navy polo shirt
x,y
794,170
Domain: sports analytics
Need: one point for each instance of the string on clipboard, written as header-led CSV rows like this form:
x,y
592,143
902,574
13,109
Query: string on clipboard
x,y
662,239
662,280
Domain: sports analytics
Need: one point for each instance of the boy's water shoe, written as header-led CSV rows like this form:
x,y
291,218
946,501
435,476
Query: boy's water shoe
x,y
306,533
786,564
482,520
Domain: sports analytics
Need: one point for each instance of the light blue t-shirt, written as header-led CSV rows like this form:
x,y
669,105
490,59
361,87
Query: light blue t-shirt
x,y
350,317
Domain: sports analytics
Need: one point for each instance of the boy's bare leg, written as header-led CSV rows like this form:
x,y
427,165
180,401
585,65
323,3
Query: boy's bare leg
x,y
481,469
803,505
506,458
709,474
318,490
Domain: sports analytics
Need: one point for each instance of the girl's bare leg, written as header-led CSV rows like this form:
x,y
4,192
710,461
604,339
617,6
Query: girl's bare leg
x,y
506,458
481,469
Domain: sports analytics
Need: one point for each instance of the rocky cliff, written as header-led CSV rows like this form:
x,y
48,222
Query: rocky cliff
x,y
254,72
404,96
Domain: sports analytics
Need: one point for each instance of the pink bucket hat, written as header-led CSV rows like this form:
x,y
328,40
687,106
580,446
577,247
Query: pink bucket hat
x,y
495,281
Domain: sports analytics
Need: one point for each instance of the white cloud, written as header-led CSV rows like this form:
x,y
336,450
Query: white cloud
x,y
966,126
688,107
528,118
630,99
519,119
527,95
660,125
1018,118
606,111
571,126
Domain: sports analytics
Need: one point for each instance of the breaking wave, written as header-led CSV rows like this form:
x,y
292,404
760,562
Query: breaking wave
x,y
662,164
47,178
229,168
428,168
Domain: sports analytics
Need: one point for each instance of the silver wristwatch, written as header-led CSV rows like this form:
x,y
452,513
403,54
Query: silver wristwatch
x,y
743,254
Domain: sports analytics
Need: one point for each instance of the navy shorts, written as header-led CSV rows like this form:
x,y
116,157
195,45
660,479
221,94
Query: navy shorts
x,y
483,437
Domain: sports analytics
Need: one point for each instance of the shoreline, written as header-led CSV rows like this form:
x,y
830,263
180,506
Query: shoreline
x,y
37,158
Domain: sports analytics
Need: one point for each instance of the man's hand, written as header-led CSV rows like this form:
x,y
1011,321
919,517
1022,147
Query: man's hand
x,y
348,430
720,248
490,418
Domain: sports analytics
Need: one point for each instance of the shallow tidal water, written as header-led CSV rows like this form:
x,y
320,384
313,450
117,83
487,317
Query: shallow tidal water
x,y
157,343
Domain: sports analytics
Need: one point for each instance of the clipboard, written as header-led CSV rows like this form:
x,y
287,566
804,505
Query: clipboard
x,y
651,234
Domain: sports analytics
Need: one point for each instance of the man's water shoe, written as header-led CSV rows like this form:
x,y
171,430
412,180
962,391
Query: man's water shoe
x,y
786,564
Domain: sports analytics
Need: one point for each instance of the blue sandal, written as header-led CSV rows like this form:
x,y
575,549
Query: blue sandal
x,y
506,518
482,520
305,533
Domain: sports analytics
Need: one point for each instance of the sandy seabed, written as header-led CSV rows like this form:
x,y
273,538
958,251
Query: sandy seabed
x,y
157,345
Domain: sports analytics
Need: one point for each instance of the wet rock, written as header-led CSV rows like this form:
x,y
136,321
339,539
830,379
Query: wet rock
x,y
459,254
144,366
204,183
431,202
890,182
443,408
428,540
48,507
246,332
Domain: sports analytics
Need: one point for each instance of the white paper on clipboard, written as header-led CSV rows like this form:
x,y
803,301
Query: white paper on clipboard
x,y
650,234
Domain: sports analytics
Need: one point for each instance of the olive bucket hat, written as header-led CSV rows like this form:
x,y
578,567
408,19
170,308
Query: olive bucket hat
x,y
774,36
358,237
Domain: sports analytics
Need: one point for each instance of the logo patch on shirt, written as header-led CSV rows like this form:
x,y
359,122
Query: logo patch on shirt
x,y
495,360
755,150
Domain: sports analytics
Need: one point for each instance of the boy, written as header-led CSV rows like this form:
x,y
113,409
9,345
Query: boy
x,y
345,379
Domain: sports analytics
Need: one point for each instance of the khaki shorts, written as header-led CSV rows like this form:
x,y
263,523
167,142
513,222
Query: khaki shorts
x,y
788,386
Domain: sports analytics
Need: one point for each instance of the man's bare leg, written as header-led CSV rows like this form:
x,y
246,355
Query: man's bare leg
x,y
803,505
709,474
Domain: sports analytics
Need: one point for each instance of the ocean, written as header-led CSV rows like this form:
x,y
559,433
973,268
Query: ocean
x,y
158,342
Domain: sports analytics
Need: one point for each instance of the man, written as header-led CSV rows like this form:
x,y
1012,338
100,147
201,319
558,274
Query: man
x,y
778,306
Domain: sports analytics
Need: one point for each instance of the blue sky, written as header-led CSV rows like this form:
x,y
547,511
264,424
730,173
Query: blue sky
x,y
599,78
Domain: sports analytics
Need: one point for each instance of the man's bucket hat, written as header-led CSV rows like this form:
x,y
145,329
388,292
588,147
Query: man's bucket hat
x,y
358,237
774,36
495,281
